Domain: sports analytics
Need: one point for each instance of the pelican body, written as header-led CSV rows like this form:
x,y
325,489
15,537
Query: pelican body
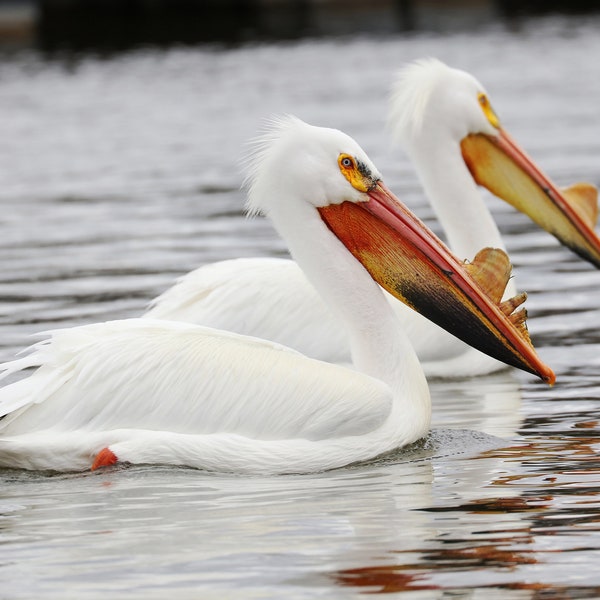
x,y
151,391
444,119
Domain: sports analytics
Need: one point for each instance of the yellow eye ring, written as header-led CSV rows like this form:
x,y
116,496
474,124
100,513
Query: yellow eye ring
x,y
352,172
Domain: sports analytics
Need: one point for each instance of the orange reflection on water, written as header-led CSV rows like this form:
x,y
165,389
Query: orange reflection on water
x,y
415,576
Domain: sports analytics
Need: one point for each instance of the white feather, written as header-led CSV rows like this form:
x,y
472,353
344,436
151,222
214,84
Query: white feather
x,y
146,366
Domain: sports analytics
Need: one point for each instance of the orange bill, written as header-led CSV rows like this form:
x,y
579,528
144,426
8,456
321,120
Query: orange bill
x,y
500,165
413,265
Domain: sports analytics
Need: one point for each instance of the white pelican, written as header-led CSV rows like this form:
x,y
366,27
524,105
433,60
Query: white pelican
x,y
445,120
148,391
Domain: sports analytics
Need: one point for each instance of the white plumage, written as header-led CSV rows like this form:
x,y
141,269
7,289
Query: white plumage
x,y
265,297
131,380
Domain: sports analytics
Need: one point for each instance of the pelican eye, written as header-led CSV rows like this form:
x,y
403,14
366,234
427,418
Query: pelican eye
x,y
356,173
488,111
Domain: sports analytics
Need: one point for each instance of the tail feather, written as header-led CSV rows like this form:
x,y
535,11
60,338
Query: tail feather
x,y
19,394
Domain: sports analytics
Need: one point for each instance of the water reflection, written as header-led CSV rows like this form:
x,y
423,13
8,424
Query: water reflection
x,y
490,404
513,523
509,538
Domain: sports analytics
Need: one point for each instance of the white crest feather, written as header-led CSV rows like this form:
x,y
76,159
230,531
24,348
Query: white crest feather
x,y
411,93
260,148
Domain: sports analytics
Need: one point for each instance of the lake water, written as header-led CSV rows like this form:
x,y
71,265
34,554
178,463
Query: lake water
x,y
120,173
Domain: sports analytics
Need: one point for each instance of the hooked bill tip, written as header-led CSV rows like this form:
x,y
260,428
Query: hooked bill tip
x,y
549,377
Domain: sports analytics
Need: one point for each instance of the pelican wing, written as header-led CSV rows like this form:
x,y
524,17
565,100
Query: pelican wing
x,y
268,298
234,287
155,375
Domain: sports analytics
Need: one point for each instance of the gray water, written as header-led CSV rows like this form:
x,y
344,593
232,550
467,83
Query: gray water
x,y
118,174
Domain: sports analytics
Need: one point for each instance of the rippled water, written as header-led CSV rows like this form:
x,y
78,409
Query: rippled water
x,y
118,174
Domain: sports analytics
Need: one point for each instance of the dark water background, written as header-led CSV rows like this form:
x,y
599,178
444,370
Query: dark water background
x,y
119,173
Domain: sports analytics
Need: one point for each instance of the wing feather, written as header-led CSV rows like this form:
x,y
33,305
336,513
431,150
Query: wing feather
x,y
160,375
265,297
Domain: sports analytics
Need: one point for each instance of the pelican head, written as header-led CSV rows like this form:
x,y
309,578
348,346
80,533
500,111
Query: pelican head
x,y
320,181
434,105
295,155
